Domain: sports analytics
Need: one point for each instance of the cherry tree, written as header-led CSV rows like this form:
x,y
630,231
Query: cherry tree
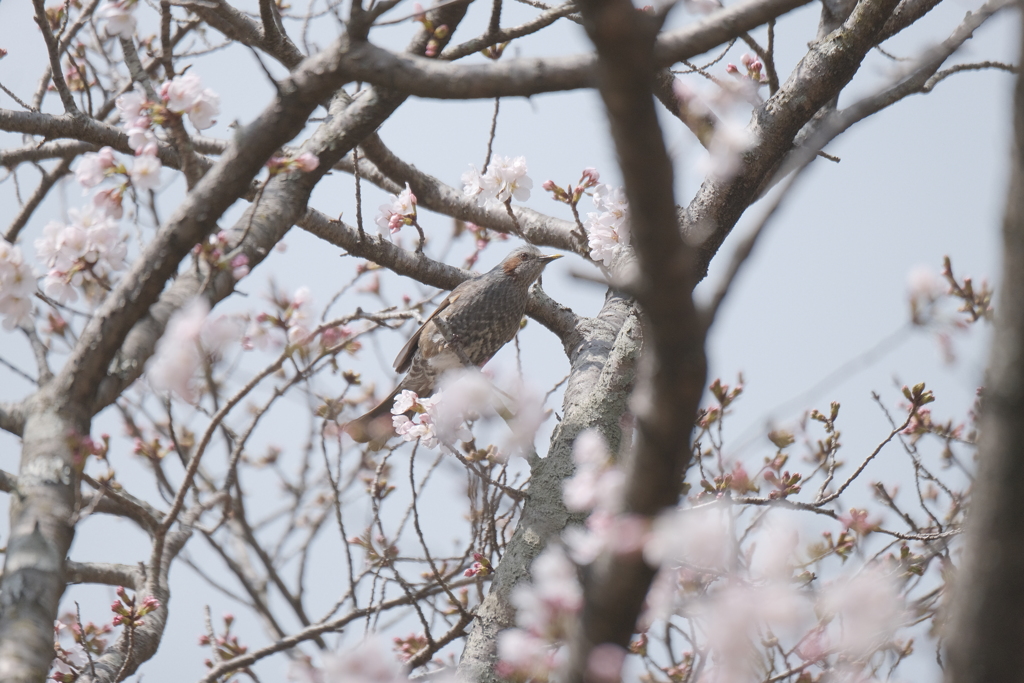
x,y
615,535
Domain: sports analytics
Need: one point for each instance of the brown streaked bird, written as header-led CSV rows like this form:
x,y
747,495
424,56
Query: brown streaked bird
x,y
479,317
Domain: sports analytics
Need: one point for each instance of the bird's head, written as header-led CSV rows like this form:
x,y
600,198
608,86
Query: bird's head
x,y
526,263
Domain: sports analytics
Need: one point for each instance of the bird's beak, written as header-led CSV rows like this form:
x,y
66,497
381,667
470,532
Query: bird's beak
x,y
548,258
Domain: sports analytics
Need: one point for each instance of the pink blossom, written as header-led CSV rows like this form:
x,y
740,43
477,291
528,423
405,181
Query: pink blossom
x,y
924,283
192,335
145,172
524,654
109,202
368,662
178,353
697,537
140,134
93,167
239,266
185,95
131,104
181,92
604,665
404,402
547,607
307,162
400,211
870,607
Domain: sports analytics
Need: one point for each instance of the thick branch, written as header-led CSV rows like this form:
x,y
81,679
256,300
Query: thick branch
x,y
524,77
988,618
819,77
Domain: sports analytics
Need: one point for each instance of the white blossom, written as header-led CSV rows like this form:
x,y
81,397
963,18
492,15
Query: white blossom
x,y
93,167
118,16
185,95
17,286
88,249
130,104
146,172
608,228
727,146
504,179
371,661
398,212
299,317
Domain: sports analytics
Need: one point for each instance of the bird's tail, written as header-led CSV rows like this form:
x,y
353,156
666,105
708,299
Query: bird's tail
x,y
375,427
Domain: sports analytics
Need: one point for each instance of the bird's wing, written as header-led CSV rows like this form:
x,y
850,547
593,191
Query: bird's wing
x,y
404,359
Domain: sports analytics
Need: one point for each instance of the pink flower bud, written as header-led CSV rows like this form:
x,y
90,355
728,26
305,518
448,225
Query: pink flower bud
x,y
731,68
307,162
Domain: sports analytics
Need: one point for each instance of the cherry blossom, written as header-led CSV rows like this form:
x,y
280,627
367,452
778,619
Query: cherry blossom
x,y
697,537
726,148
83,253
597,480
299,317
109,202
504,180
130,104
95,166
185,95
546,612
145,172
17,286
192,336
399,212
869,606
118,16
608,228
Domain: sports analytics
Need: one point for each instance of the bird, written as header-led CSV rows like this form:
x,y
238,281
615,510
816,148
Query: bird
x,y
467,328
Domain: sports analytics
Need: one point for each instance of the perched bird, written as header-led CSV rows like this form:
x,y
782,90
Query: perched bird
x,y
472,323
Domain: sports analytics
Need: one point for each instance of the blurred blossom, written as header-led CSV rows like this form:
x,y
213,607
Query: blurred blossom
x,y
504,179
548,605
17,286
924,288
130,104
775,554
608,228
110,202
146,172
605,531
729,142
192,336
530,414
697,537
546,612
93,167
524,654
597,480
299,317
869,608
118,17
371,661
604,665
